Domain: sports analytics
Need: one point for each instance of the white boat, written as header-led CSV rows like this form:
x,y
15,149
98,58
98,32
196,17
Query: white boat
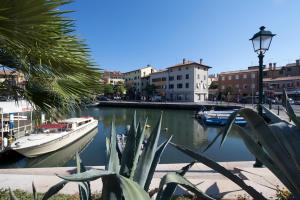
x,y
51,137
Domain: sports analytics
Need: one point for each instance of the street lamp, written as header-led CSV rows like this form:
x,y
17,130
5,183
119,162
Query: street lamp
x,y
261,42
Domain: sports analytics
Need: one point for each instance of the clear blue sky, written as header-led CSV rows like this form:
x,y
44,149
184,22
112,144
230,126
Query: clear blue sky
x,y
126,34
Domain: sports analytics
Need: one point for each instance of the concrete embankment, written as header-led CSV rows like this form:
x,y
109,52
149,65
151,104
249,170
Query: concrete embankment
x,y
166,105
206,179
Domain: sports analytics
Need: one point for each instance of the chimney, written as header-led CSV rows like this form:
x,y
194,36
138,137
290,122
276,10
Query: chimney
x,y
274,66
183,61
201,61
270,66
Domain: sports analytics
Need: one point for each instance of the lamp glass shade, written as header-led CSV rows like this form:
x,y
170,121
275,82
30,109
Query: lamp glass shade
x,y
262,40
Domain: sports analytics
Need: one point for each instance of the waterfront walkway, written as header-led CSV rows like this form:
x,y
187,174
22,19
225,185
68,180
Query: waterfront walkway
x,y
206,179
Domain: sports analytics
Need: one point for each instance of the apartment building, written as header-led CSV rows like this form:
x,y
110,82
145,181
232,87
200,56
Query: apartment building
x,y
278,78
239,83
186,81
113,77
159,79
12,77
134,78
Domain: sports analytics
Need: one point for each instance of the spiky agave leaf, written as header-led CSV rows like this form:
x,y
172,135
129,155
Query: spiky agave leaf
x,y
171,187
54,190
114,162
155,161
84,187
220,169
147,156
12,195
117,186
174,178
34,193
130,149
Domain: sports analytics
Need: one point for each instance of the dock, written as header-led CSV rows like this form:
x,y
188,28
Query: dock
x,y
205,178
169,105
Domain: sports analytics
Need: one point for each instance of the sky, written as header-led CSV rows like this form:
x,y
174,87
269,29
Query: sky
x,y
124,35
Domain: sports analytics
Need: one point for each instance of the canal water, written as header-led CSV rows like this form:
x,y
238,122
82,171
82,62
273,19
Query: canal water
x,y
181,124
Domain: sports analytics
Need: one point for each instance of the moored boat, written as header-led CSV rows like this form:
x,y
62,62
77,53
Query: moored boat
x,y
51,137
220,118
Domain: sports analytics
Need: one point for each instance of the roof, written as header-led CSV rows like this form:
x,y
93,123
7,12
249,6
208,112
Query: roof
x,y
188,63
286,78
138,69
238,71
160,71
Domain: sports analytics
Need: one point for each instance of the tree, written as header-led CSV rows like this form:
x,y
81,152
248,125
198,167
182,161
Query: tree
x,y
119,89
108,89
213,85
38,40
150,90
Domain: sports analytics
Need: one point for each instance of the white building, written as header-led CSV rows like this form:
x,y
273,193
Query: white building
x,y
187,81
134,78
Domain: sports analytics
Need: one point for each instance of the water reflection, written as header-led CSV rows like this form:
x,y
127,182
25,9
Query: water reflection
x,y
181,124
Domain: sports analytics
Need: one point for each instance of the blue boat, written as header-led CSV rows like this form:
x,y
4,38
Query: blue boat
x,y
219,118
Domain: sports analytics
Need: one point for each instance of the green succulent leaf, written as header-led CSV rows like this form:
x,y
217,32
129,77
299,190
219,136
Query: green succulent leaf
x,y
84,187
54,190
175,178
215,166
89,175
147,156
114,162
35,197
130,150
171,187
155,161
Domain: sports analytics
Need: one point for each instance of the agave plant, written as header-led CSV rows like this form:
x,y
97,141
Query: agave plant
x,y
276,145
128,175
38,40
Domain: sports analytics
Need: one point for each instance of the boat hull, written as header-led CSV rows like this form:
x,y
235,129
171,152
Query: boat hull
x,y
53,145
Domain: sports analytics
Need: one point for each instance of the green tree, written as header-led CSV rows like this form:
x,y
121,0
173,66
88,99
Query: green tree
x,y
108,89
150,90
38,40
213,85
119,89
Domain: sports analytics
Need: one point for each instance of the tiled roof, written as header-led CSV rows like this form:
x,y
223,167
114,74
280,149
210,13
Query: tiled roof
x,y
188,63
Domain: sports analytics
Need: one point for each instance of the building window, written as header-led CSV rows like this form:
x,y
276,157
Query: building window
x,y
253,86
198,76
237,86
245,76
179,77
237,77
253,75
187,76
229,78
171,86
223,87
186,68
179,69
264,74
171,78
245,86
179,85
186,85
223,78
289,69
204,77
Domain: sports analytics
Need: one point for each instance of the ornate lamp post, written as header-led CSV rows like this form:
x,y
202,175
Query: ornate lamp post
x,y
261,42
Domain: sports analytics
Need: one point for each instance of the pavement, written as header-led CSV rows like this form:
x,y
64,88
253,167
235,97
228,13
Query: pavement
x,y
206,179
